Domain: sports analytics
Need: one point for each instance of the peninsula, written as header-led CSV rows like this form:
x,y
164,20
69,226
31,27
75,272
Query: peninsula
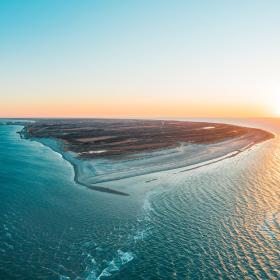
x,y
105,150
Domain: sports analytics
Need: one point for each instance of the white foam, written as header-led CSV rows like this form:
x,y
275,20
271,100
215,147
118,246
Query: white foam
x,y
63,277
125,256
140,235
121,259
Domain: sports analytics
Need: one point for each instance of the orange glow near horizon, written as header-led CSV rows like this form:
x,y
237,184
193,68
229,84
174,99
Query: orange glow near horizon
x,y
130,108
276,106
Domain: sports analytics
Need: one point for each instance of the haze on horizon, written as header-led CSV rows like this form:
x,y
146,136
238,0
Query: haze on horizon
x,y
139,58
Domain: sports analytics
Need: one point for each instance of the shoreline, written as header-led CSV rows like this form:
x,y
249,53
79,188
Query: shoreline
x,y
55,146
92,172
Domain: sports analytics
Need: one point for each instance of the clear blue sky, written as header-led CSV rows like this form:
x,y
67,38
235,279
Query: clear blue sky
x,y
139,58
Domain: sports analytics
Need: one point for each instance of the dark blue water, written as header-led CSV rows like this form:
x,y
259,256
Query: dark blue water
x,y
218,222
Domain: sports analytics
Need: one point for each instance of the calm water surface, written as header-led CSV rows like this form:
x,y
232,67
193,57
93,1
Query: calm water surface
x,y
217,222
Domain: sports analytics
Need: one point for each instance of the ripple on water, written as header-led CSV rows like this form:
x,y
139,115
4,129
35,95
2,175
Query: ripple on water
x,y
223,219
218,222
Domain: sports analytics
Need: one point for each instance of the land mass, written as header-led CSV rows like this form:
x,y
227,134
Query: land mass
x,y
111,138
105,150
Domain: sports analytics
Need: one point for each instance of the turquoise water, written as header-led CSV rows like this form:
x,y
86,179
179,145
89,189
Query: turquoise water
x,y
221,221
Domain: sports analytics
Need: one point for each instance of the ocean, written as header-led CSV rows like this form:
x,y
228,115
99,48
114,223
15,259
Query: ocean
x,y
220,221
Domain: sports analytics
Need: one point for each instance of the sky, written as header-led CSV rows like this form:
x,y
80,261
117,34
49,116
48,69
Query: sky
x,y
145,58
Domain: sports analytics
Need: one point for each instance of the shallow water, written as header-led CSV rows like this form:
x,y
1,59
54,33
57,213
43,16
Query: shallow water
x,y
221,221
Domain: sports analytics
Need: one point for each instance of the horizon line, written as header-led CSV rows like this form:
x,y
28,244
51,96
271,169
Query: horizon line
x,y
138,117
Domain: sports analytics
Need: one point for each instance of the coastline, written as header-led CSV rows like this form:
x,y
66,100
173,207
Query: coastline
x,y
55,145
92,172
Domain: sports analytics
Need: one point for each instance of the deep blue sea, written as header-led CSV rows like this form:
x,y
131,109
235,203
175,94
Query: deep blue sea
x,y
220,221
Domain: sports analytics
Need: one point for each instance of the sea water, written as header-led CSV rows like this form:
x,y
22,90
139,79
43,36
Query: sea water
x,y
221,221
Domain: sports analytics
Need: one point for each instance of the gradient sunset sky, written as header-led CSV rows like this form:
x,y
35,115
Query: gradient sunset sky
x,y
145,58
